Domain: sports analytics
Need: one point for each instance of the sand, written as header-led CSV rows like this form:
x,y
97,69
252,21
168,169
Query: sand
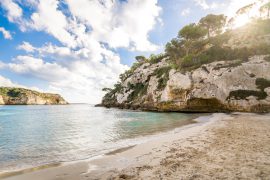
x,y
227,146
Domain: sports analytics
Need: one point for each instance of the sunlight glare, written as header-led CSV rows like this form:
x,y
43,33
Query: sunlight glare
x,y
241,20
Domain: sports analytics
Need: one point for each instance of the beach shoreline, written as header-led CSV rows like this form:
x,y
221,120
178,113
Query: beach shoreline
x,y
192,151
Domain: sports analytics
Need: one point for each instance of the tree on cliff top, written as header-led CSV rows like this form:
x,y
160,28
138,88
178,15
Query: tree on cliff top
x,y
245,10
213,24
175,50
190,34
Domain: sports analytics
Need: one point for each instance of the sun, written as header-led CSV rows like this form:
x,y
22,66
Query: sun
x,y
246,16
240,21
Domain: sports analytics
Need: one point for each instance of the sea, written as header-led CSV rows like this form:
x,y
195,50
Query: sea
x,y
32,136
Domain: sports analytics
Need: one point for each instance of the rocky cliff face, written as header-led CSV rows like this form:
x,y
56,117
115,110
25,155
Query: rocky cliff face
x,y
20,96
219,86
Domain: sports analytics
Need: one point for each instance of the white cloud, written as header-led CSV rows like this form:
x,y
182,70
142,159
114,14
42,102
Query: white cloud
x,y
13,10
80,76
48,18
6,34
5,82
26,46
120,24
37,67
185,12
204,5
88,31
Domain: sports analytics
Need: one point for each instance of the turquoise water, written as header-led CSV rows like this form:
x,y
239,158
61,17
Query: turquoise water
x,y
37,135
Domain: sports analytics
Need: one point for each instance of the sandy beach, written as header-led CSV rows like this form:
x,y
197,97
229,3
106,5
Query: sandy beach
x,y
225,146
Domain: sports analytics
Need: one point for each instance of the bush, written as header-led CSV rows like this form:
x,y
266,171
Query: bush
x,y
243,94
110,96
267,58
219,40
161,71
163,75
154,59
139,89
191,62
14,93
140,58
188,61
262,83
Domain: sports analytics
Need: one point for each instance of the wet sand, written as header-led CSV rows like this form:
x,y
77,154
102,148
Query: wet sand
x,y
235,146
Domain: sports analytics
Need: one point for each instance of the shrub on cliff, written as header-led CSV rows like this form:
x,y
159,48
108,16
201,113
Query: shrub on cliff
x,y
163,76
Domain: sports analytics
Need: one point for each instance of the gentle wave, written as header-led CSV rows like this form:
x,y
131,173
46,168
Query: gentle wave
x,y
37,135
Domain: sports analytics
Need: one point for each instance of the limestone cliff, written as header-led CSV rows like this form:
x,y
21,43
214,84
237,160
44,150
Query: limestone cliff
x,y
218,86
21,96
228,72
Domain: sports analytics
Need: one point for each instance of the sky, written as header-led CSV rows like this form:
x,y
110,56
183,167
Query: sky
x,y
77,47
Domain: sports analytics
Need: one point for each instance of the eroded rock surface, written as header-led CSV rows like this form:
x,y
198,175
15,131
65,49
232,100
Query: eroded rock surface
x,y
218,86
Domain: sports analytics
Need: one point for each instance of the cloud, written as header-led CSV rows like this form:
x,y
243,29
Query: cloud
x,y
204,5
89,33
37,67
26,46
13,10
185,12
51,20
6,34
120,24
5,82
76,75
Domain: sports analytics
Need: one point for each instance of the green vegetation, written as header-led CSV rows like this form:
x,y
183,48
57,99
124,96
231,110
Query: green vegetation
x,y
139,89
154,59
163,76
262,83
267,58
192,48
191,36
140,58
4,91
213,24
16,92
244,94
110,96
16,96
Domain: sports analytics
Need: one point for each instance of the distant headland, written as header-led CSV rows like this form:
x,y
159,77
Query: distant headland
x,y
21,96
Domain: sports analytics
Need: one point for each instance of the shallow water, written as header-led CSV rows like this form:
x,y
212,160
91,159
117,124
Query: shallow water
x,y
36,135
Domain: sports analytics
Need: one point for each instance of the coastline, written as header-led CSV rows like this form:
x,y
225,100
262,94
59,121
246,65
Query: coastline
x,y
218,143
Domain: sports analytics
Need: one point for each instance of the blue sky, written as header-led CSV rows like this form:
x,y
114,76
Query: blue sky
x,y
77,47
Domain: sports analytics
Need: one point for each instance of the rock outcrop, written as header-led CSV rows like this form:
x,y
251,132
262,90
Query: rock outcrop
x,y
219,86
227,72
21,96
